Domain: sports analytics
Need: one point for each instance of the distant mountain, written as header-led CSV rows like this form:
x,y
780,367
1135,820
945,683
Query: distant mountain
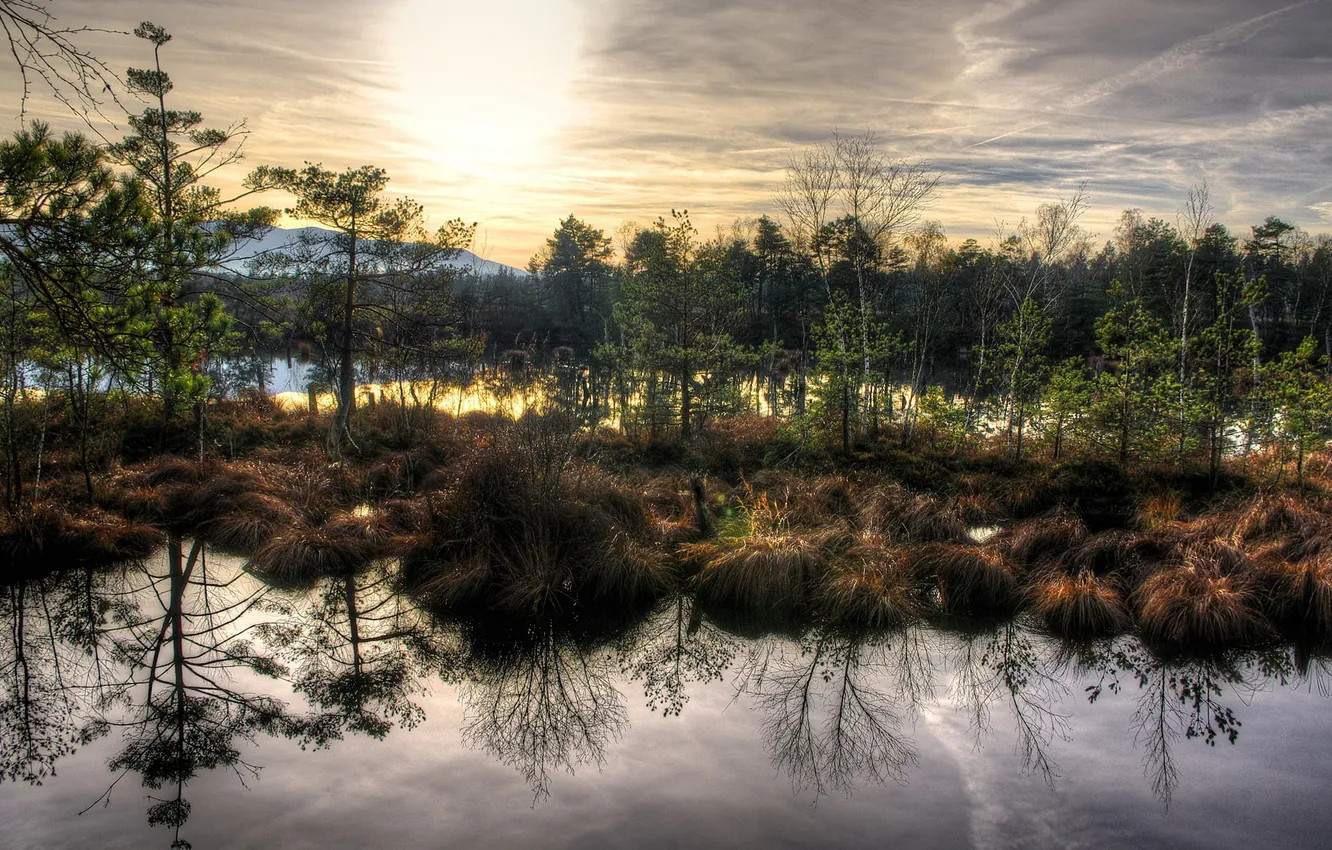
x,y
248,250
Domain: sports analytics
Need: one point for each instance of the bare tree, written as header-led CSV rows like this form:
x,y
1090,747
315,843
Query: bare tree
x,y
1193,222
45,51
877,197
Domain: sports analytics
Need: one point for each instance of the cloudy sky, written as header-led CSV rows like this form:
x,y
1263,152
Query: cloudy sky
x,y
514,113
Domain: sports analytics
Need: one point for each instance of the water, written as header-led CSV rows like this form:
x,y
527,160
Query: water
x,y
676,732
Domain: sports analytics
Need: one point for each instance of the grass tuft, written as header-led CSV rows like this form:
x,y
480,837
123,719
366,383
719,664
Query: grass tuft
x,y
1081,606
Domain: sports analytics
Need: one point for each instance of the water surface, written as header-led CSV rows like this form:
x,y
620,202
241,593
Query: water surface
x,y
233,714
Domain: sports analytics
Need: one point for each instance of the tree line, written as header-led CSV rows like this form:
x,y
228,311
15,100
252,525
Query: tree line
x,y
845,315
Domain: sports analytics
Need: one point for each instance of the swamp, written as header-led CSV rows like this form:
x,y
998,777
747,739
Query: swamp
x,y
815,529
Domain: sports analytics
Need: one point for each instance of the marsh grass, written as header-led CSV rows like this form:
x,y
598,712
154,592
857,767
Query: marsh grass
x,y
1127,557
1297,595
976,580
303,553
1082,606
1159,512
871,586
522,531
1205,602
1039,543
45,537
907,517
771,572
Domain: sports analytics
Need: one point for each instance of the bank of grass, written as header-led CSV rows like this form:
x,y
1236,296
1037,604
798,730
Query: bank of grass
x,y
488,515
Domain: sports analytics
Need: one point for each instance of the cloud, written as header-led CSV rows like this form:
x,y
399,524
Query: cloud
x,y
699,103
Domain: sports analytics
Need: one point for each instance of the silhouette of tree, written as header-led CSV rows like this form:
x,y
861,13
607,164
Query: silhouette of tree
x,y
48,52
830,716
540,701
672,648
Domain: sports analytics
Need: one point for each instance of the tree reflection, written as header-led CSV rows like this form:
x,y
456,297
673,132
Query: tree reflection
x,y
185,713
672,648
39,721
1178,697
360,650
1004,665
539,700
831,713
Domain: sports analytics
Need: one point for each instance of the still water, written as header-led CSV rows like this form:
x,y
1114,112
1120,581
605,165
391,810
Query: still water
x,y
187,701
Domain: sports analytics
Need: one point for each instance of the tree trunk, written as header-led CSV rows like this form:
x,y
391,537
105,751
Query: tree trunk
x,y
341,425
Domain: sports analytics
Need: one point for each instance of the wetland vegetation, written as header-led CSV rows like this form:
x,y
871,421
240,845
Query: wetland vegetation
x,y
835,454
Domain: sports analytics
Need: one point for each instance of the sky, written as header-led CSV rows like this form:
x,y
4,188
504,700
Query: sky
x,y
516,113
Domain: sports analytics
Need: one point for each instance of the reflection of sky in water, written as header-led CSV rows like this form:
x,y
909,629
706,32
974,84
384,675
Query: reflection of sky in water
x,y
713,777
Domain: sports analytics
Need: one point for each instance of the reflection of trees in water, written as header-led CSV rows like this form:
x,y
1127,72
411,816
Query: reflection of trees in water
x,y
1182,698
833,705
1006,666
672,648
185,715
157,655
360,651
540,700
40,722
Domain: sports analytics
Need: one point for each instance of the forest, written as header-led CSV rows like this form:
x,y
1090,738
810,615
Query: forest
x,y
833,411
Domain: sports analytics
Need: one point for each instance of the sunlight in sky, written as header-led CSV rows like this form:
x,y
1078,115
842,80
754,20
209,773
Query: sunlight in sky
x,y
483,87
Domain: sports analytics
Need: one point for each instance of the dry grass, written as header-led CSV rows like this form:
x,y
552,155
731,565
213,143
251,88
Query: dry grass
x,y
1204,603
111,539
508,537
828,500
870,587
969,579
1278,525
1081,606
44,538
1297,595
907,517
454,584
370,527
254,519
1128,556
305,553
1159,512
1039,543
768,573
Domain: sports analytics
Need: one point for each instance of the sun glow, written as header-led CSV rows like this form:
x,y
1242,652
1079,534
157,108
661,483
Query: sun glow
x,y
484,86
